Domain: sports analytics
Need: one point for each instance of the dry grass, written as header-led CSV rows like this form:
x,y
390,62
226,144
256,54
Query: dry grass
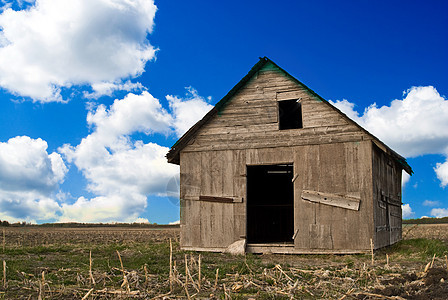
x,y
116,263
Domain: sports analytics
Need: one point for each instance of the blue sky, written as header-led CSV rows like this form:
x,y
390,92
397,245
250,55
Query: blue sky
x,y
93,93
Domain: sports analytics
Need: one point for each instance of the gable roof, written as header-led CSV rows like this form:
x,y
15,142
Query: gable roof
x,y
173,154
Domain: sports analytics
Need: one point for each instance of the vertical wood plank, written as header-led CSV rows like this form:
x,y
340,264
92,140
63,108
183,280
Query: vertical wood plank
x,y
228,174
206,174
206,225
301,209
228,224
239,186
191,185
365,228
186,228
216,164
217,229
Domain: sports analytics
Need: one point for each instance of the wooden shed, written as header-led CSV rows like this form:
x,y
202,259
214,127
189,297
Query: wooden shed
x,y
278,166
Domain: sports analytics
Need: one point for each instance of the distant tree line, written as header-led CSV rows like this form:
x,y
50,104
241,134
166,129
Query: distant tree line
x,y
18,224
88,225
443,220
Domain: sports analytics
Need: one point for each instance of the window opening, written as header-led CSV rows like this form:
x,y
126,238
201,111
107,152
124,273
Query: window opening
x,y
290,114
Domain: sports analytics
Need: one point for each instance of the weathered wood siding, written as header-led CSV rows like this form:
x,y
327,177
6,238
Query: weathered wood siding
x,y
207,224
330,155
250,118
342,169
386,199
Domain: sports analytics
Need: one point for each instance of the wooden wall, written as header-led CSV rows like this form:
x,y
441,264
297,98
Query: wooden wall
x,y
250,119
341,169
344,169
386,199
330,155
206,224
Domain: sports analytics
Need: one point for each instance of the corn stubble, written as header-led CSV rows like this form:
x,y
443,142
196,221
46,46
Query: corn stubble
x,y
114,263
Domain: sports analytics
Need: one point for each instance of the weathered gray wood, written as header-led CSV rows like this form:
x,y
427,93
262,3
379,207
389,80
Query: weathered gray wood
x,y
216,167
331,199
248,142
190,173
239,188
288,249
206,225
228,223
217,231
320,237
286,95
227,174
332,157
206,173
364,228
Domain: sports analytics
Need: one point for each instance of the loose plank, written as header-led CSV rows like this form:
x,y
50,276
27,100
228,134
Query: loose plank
x,y
331,199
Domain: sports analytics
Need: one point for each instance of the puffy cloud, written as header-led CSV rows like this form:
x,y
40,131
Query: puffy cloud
x,y
56,44
407,211
121,171
416,125
29,176
441,170
110,208
135,113
108,88
187,111
141,220
26,165
413,126
439,212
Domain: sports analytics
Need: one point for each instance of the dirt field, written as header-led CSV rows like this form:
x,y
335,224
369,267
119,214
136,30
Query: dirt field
x,y
122,263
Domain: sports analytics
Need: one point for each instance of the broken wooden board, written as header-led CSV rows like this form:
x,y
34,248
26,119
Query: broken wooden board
x,y
216,199
331,199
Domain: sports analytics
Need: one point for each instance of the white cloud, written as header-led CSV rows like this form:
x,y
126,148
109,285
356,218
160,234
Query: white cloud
x,y
108,88
121,171
441,170
135,113
404,178
110,208
439,212
29,177
141,220
407,211
416,125
187,111
174,223
56,44
430,203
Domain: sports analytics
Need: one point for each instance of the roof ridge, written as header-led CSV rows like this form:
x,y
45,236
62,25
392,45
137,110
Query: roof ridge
x,y
221,104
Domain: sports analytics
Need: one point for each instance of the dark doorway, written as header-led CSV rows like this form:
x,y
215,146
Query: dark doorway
x,y
270,204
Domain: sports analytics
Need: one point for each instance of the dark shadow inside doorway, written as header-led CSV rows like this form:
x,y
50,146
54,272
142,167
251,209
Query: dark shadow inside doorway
x,y
270,204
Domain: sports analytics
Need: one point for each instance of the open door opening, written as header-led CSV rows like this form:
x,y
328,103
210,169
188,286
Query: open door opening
x,y
270,204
